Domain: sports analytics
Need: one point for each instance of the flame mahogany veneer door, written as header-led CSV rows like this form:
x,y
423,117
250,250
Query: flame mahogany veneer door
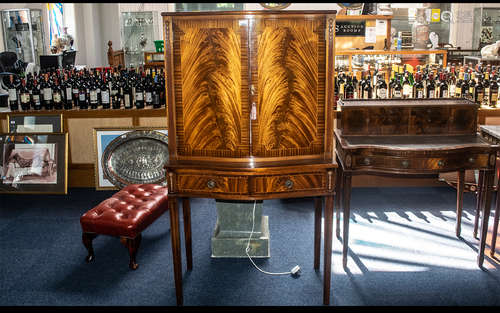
x,y
210,70
288,64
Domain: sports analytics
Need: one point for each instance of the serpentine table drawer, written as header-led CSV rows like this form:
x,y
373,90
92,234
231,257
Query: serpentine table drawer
x,y
441,164
291,183
212,183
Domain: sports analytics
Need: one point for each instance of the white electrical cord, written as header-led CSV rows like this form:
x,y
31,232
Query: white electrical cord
x,y
294,271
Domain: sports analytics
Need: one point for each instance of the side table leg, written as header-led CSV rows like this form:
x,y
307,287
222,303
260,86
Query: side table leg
x,y
495,225
186,215
460,200
479,201
338,192
346,215
176,247
328,249
318,208
488,177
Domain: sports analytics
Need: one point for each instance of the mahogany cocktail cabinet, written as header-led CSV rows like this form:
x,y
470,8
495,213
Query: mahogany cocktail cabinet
x,y
250,114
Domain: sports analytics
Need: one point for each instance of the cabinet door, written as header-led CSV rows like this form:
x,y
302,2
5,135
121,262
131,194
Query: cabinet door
x,y
210,74
288,78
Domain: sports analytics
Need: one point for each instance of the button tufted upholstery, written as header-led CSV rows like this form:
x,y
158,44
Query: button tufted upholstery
x,y
128,212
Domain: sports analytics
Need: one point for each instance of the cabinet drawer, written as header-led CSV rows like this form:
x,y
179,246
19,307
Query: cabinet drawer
x,y
212,184
290,183
439,164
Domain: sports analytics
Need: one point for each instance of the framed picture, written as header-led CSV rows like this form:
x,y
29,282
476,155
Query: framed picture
x,y
22,123
102,138
34,163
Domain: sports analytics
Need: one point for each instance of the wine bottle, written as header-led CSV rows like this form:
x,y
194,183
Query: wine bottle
x,y
13,99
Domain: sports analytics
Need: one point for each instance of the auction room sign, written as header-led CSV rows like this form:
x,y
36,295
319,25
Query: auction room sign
x,y
350,28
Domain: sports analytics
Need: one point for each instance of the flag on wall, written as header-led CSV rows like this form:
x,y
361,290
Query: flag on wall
x,y
55,20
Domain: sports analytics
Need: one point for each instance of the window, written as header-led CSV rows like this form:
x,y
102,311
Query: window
x,y
55,21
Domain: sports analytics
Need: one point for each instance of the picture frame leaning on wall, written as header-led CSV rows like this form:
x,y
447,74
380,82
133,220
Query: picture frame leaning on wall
x,y
34,163
27,123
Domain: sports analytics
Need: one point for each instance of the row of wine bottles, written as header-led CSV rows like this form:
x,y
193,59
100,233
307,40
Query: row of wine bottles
x,y
479,84
87,88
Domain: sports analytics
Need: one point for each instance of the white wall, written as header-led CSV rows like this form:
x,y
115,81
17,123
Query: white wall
x,y
298,6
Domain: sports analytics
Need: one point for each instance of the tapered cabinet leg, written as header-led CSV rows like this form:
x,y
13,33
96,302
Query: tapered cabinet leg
x,y
460,200
338,193
346,199
176,247
186,214
318,208
87,242
479,202
488,177
328,249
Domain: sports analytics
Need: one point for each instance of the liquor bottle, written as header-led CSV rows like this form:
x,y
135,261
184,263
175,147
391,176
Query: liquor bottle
x,y
46,87
479,91
407,87
93,100
465,87
381,87
419,87
148,91
36,99
486,86
349,89
367,88
493,92
443,87
67,91
139,94
431,88
452,83
397,89
24,96
472,86
75,90
13,98
458,86
156,92
115,94
127,95
83,101
57,95
105,99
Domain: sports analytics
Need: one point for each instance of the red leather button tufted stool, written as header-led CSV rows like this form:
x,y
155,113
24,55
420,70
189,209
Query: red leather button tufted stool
x,y
126,214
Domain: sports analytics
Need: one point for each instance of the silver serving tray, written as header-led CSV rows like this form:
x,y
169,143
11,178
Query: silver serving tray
x,y
136,157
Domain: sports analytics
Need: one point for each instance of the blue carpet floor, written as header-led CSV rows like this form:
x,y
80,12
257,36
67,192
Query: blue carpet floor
x,y
403,251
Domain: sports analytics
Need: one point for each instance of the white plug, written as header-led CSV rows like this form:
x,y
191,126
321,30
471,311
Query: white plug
x,y
295,270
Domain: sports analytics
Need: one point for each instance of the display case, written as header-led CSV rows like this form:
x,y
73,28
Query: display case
x,y
138,34
154,59
362,60
23,33
487,26
457,55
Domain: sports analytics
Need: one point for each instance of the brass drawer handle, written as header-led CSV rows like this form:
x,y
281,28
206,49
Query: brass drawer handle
x,y
405,163
367,161
440,163
211,184
472,160
289,183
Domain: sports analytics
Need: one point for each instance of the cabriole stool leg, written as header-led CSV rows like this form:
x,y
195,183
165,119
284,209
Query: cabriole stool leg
x,y
87,242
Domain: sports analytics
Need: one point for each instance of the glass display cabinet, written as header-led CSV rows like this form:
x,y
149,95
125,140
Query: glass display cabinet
x,y
23,33
487,26
138,33
362,60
